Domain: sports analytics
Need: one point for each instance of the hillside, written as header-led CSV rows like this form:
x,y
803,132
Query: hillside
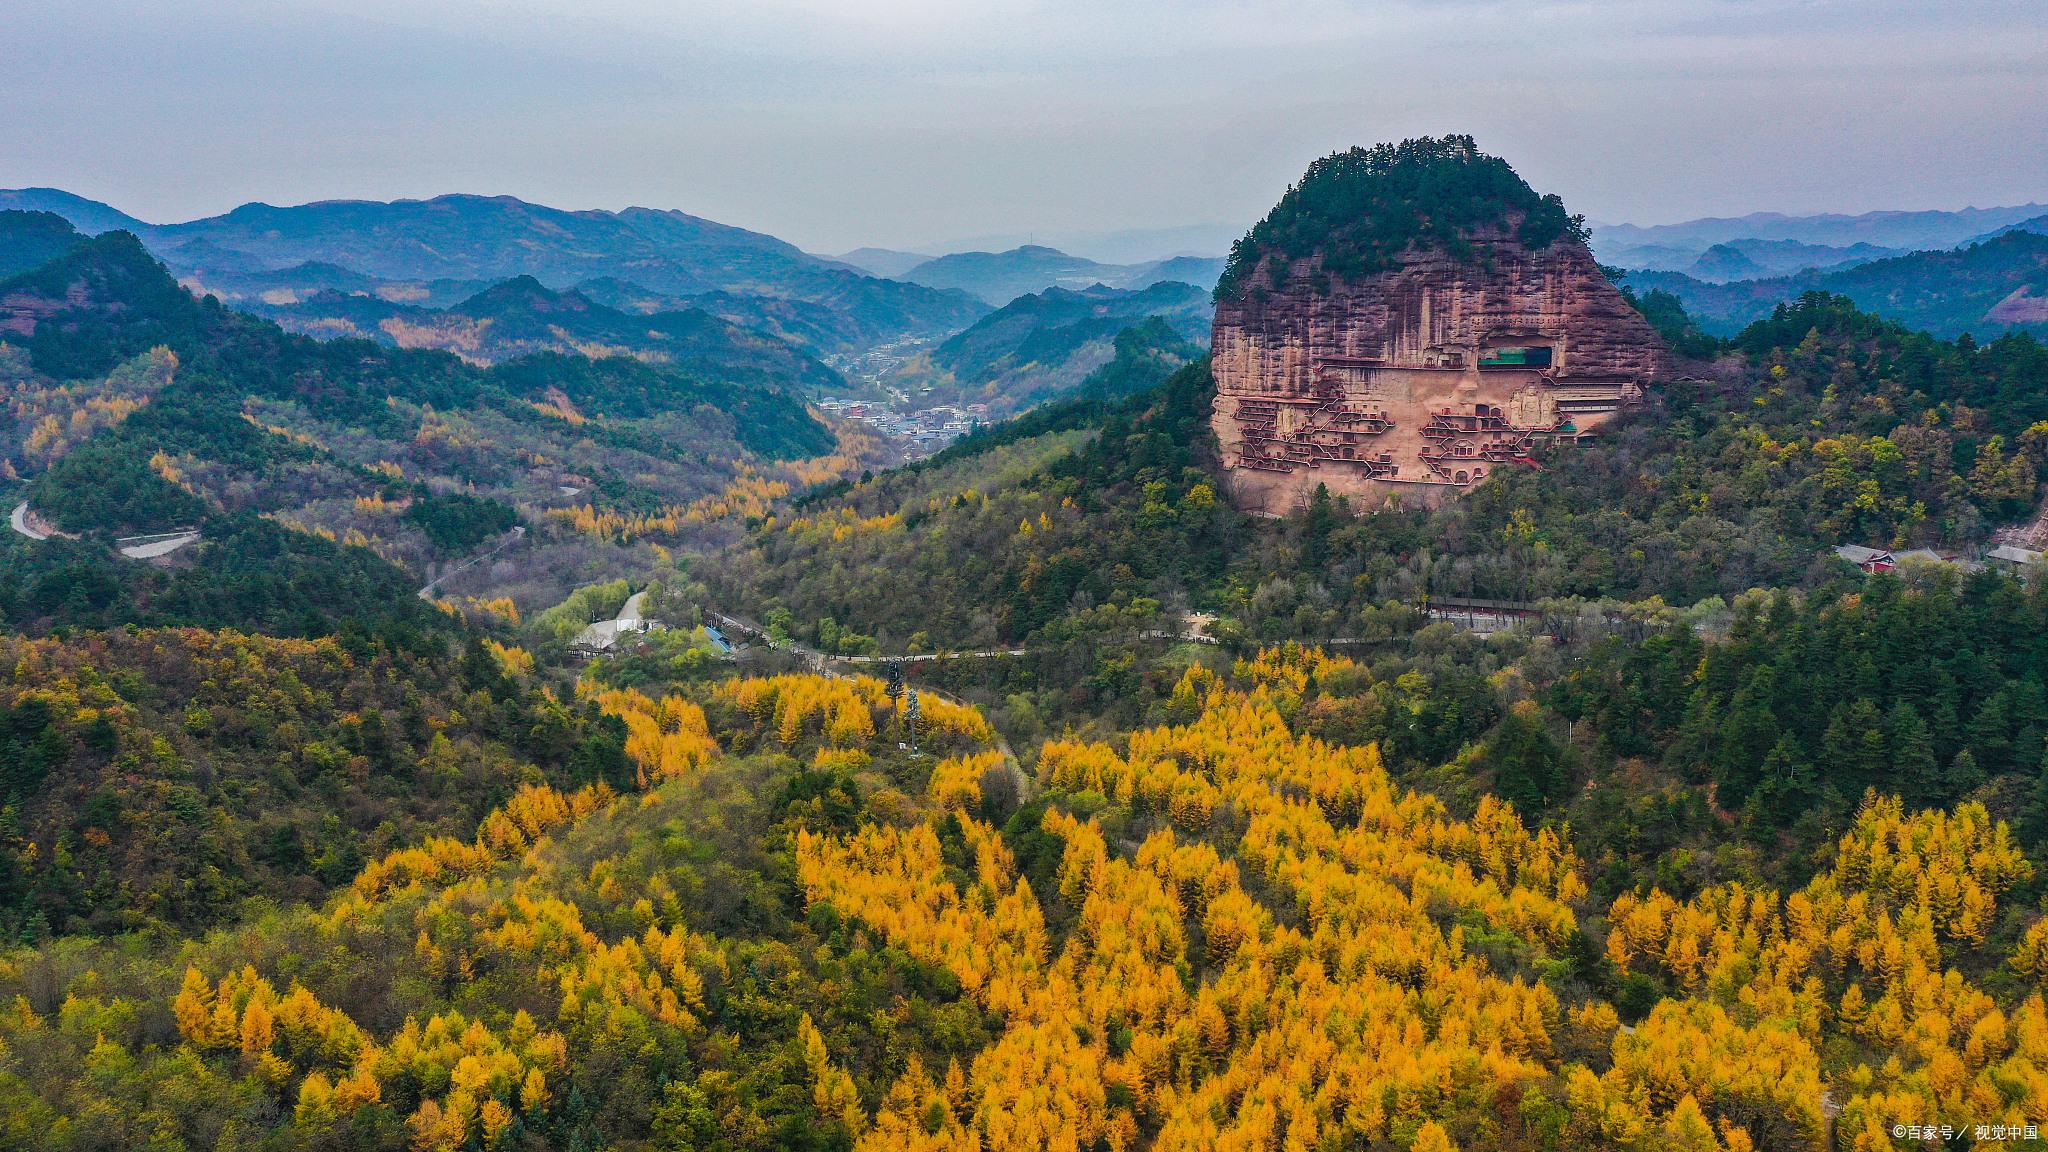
x,y
1042,344
1945,292
1821,426
1001,277
206,270
2036,224
30,239
1756,873
520,317
163,804
88,216
788,932
331,478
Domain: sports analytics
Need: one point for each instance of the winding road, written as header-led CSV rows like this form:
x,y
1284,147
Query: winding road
x,y
20,520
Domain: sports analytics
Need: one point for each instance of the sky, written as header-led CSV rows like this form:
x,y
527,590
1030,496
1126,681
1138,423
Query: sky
x,y
919,123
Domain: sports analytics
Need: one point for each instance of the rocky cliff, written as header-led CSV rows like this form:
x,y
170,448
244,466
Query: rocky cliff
x,y
1364,344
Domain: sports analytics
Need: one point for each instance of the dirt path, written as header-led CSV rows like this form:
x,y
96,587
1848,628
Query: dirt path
x,y
517,534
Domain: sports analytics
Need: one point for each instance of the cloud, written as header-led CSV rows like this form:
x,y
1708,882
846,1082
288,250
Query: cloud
x,y
905,121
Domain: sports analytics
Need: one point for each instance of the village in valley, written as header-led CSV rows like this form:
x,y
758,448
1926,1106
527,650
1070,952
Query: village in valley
x,y
893,411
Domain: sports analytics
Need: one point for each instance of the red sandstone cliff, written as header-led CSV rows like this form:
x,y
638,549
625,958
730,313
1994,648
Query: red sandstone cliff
x,y
1417,381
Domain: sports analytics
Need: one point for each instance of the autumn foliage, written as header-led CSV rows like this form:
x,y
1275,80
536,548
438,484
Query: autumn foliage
x,y
1214,934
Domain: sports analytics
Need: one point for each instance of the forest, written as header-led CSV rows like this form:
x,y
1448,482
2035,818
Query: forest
x,y
1725,846
133,407
1817,427
1358,210
779,929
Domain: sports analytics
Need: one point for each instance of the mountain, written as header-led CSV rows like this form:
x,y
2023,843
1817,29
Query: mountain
x,y
2036,224
882,261
1194,829
1755,259
823,329
1443,890
208,270
520,317
1725,262
1041,344
334,478
1909,231
29,239
1983,289
88,216
1000,277
1201,271
454,237
1409,320
1112,246
493,238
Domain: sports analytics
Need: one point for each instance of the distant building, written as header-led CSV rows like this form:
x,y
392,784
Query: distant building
x,y
2012,556
1875,560
1871,560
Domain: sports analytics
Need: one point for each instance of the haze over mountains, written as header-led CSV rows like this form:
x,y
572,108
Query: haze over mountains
x,y
489,238
492,278
1000,277
1626,244
1983,289
1043,343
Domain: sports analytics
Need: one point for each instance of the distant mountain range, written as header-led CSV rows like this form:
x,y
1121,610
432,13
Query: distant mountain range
x,y
2034,224
665,286
1671,247
1751,258
1041,344
1114,246
465,242
1984,289
1000,277
134,406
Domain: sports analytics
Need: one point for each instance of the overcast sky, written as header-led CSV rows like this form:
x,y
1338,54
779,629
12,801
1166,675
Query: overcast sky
x,y
835,123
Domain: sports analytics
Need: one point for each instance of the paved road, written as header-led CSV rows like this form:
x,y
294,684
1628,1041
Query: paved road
x,y
149,548
603,634
21,523
146,547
